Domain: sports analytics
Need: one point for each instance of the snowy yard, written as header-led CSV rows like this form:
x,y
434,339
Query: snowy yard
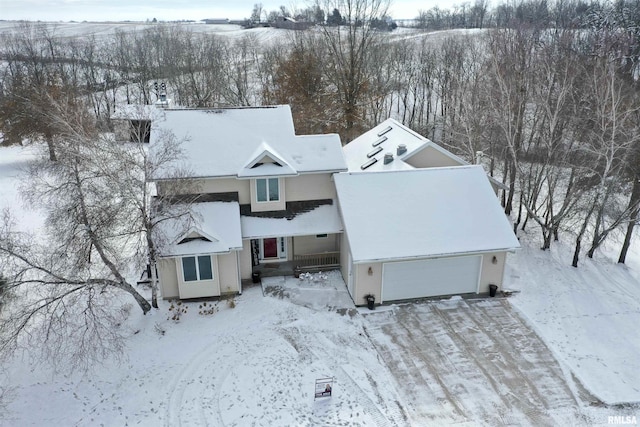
x,y
562,351
589,316
472,362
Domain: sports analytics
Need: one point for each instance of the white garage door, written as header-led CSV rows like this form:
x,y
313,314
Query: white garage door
x,y
430,277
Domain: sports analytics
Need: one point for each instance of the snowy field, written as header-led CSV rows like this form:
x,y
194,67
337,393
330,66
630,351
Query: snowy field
x,y
562,351
108,29
264,35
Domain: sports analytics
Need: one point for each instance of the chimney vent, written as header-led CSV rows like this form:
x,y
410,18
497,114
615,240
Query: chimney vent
x,y
402,148
388,158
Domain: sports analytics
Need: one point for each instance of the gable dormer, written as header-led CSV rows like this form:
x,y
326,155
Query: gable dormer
x,y
267,169
266,161
194,234
196,237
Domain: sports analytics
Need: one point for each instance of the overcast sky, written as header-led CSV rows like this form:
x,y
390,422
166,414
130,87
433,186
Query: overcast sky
x,y
141,10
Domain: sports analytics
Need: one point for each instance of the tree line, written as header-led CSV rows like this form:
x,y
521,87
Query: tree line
x,y
554,109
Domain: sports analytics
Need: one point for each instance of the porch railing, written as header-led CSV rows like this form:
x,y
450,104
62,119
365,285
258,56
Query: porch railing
x,y
324,259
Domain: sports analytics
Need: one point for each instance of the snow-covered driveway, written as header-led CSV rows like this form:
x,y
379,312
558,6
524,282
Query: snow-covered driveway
x,y
476,362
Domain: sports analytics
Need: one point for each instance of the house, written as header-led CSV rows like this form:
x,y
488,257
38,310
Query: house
x,y
266,197
400,216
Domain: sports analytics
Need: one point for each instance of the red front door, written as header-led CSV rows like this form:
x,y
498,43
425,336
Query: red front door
x,y
270,248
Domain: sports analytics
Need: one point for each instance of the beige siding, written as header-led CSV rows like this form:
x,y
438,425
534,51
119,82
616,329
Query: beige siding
x,y
345,259
310,187
228,267
226,185
367,284
313,245
245,260
207,185
167,275
429,157
268,206
492,273
200,288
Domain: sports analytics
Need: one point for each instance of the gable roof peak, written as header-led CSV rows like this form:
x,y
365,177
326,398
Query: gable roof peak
x,y
196,232
257,166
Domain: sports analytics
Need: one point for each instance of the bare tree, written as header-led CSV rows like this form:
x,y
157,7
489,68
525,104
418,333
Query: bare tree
x,y
256,13
34,76
67,279
350,46
242,58
613,136
511,56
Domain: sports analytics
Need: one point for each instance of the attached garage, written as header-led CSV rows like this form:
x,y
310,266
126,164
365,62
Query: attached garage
x,y
430,277
422,232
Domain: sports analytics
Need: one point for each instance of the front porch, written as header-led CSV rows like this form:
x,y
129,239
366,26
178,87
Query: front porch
x,y
305,262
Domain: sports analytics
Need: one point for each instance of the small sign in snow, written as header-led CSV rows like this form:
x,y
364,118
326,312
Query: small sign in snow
x,y
324,387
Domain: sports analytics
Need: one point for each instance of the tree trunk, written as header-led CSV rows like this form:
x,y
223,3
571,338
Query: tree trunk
x,y
597,236
515,224
634,204
576,252
142,301
583,229
154,284
52,152
546,239
512,188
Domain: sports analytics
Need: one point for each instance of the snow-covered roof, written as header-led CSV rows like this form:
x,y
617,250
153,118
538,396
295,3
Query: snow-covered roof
x,y
366,152
136,112
422,213
321,220
232,142
216,229
382,139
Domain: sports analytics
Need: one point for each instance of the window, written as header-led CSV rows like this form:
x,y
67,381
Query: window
x,y
385,130
322,236
197,268
369,163
374,152
379,141
267,190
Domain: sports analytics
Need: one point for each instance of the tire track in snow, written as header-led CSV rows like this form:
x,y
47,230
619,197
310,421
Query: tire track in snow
x,y
309,348
421,368
186,378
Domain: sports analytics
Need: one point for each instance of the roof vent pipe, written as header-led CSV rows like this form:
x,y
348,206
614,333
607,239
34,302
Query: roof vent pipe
x,y
388,158
402,148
